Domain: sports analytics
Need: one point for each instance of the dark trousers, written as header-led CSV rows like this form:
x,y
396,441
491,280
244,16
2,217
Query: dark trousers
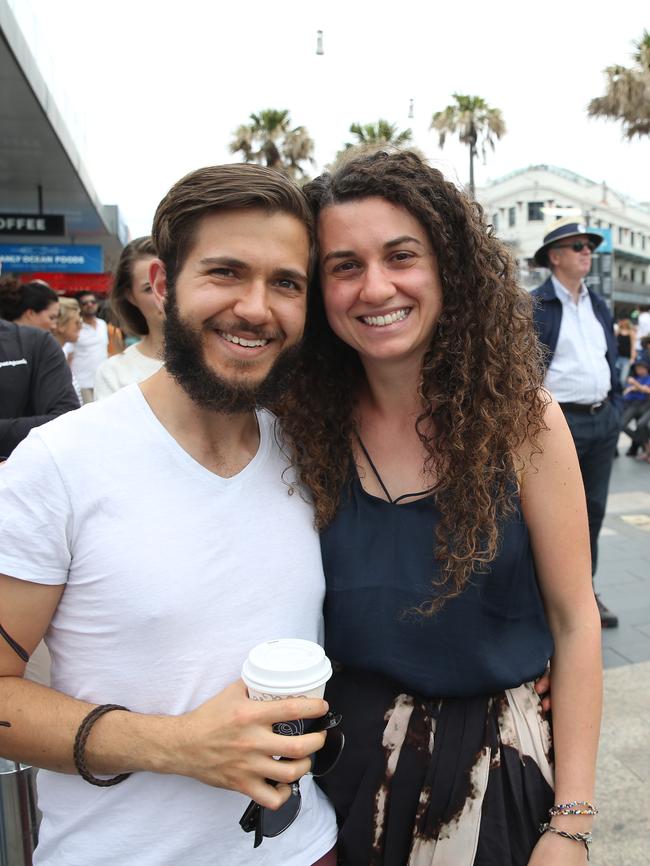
x,y
639,411
595,438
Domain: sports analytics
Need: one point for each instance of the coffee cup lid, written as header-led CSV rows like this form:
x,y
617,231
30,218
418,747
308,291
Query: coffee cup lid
x,y
286,665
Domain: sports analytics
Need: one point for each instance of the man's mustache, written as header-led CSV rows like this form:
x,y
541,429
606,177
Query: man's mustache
x,y
235,326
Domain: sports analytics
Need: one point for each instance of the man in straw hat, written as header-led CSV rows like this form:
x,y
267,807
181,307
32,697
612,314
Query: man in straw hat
x,y
575,326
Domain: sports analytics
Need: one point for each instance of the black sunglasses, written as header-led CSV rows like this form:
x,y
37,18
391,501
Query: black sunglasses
x,y
269,822
576,246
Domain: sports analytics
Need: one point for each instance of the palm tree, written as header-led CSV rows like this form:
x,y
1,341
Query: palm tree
x,y
298,147
379,133
627,93
476,124
269,140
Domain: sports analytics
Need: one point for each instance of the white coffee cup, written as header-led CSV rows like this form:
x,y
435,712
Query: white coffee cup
x,y
286,668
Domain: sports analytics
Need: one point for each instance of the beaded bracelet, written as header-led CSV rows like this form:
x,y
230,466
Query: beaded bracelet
x,y
572,808
585,838
79,749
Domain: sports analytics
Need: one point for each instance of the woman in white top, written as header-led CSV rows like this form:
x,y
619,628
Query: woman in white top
x,y
133,302
68,324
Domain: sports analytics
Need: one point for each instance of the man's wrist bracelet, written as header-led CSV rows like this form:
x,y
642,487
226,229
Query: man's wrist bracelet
x,y
79,751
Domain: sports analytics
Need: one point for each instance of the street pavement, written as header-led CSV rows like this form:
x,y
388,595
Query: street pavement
x,y
623,576
622,830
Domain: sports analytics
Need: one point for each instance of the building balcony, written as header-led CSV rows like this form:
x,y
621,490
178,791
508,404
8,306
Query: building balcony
x,y
626,290
637,257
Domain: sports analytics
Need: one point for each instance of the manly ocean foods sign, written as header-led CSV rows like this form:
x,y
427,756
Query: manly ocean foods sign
x,y
32,224
70,258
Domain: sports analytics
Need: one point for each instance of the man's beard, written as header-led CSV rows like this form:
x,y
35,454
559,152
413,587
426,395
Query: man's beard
x,y
185,362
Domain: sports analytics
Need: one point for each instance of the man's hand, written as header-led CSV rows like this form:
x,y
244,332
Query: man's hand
x,y
543,689
228,742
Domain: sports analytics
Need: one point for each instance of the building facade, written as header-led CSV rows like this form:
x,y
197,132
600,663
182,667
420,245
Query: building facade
x,y
521,206
53,225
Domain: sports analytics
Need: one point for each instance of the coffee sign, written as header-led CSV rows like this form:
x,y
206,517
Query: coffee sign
x,y
32,224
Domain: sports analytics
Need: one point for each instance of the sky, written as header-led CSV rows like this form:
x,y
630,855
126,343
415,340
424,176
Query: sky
x,y
153,89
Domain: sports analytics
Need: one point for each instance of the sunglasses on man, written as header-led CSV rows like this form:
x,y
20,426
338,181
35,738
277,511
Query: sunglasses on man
x,y
576,246
270,823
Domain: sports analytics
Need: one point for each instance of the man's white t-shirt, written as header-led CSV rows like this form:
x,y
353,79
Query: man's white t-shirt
x,y
89,351
172,574
124,369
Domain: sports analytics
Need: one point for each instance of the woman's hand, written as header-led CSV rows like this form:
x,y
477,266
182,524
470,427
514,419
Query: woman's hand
x,y
554,850
553,502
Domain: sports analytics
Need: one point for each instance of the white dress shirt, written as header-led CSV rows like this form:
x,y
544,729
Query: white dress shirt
x,y
579,371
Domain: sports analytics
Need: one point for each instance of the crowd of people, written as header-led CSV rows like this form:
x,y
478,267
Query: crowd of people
x,y
34,390
343,421
633,340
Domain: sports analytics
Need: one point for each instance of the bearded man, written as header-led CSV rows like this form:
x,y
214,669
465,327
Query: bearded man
x,y
151,539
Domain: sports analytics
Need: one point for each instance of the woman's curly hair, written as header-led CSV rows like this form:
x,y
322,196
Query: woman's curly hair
x,y
480,381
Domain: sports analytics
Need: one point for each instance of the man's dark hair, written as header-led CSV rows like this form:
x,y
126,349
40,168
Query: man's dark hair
x,y
84,294
221,187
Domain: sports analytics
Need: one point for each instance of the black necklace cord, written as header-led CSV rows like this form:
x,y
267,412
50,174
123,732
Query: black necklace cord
x,y
381,483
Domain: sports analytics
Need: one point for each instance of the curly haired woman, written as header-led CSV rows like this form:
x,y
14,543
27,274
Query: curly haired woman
x,y
454,535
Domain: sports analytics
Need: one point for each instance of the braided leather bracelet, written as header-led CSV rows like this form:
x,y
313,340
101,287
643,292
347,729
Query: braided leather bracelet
x,y
79,751
585,838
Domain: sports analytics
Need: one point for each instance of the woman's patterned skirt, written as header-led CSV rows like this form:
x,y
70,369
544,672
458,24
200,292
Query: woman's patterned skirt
x,y
442,782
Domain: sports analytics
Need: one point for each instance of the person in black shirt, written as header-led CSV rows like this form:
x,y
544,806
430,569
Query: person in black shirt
x,y
35,383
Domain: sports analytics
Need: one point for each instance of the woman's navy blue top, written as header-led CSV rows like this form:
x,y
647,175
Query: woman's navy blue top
x,y
379,565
